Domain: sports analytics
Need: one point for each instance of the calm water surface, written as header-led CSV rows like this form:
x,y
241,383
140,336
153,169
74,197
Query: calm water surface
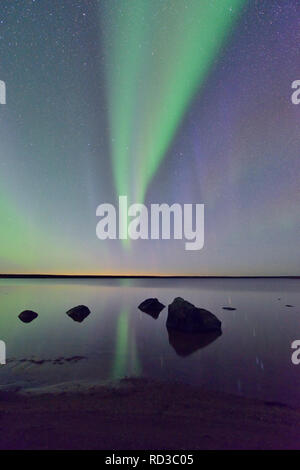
x,y
252,357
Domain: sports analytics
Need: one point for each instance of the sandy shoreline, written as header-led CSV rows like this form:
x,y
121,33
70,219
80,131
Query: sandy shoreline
x,y
143,414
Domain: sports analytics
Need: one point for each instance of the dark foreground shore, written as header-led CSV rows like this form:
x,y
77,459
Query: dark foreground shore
x,y
142,414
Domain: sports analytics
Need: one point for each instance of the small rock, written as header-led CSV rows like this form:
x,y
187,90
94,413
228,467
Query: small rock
x,y
229,308
184,316
28,316
152,307
78,313
288,305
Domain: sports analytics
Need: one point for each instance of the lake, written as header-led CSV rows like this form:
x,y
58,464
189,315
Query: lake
x,y
252,357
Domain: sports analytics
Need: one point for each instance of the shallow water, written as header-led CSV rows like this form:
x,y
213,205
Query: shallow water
x,y
252,357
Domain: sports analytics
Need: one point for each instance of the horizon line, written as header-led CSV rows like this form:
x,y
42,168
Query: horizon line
x,y
135,276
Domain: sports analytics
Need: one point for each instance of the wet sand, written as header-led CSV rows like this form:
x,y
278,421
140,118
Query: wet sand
x,y
143,414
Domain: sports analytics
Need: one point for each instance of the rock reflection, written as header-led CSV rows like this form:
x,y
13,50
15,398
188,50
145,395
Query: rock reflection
x,y
186,344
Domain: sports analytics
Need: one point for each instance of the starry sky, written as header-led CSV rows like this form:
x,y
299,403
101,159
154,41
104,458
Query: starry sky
x,y
174,101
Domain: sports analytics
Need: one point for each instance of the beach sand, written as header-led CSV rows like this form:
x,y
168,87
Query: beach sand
x,y
143,414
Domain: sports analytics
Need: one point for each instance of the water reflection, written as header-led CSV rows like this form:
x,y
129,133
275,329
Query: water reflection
x,y
186,344
252,357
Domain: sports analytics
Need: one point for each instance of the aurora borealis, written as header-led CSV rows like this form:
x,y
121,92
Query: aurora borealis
x,y
175,101
155,66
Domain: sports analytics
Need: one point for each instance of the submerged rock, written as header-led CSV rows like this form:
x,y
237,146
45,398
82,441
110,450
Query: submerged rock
x,y
28,316
184,344
184,316
78,313
152,307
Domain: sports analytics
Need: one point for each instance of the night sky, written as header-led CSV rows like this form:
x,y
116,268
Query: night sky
x,y
168,101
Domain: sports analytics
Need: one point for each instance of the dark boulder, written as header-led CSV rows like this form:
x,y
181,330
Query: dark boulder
x,y
184,316
28,316
152,307
78,313
184,344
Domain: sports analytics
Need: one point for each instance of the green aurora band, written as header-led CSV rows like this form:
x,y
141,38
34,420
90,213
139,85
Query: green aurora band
x,y
16,239
158,55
